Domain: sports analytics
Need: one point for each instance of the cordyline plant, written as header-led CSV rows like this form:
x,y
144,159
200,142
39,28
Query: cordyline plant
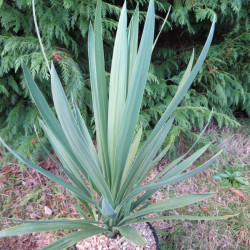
x,y
108,181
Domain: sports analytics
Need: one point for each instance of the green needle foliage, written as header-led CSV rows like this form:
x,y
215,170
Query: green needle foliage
x,y
223,81
115,171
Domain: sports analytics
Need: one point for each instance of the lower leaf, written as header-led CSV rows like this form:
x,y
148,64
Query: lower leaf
x,y
132,235
73,238
46,226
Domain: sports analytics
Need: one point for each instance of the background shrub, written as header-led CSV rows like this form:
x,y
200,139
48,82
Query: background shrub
x,y
223,82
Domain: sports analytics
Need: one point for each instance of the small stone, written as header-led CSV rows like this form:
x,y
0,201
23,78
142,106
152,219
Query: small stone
x,y
33,215
47,210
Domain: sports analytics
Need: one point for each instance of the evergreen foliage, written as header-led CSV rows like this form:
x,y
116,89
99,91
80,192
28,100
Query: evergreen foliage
x,y
223,82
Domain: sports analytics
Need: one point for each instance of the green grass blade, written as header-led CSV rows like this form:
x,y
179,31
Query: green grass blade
x,y
132,235
117,88
135,93
172,203
180,217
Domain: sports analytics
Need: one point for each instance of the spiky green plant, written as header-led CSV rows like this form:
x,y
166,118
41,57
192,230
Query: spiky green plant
x,y
108,181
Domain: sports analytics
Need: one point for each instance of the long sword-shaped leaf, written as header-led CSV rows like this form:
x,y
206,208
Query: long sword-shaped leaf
x,y
184,86
176,161
100,120
100,64
43,107
180,217
159,33
74,177
172,203
146,147
85,131
186,73
133,30
174,171
75,137
132,235
59,220
51,176
135,93
69,167
117,88
49,117
149,193
126,187
45,226
99,90
141,166
155,161
145,167
163,183
175,179
186,163
151,166
73,238
86,205
81,211
131,155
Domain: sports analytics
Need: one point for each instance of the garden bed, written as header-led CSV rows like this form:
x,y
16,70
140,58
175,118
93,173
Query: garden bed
x,y
28,195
